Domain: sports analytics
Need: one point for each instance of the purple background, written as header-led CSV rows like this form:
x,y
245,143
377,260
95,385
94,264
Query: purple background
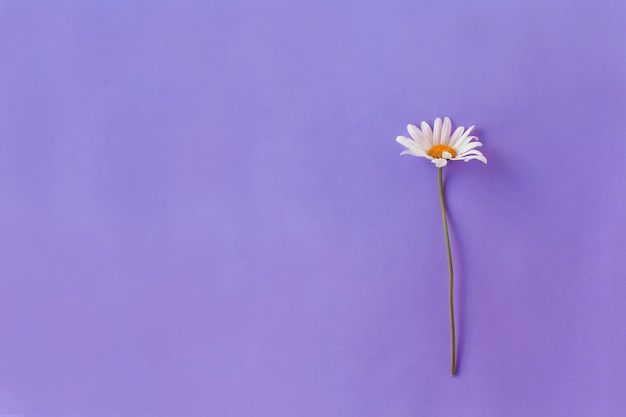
x,y
204,212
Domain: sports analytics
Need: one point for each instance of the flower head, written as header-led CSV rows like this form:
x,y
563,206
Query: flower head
x,y
439,146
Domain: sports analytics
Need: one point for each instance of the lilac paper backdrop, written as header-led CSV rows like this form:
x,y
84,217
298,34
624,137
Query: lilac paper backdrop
x,y
204,212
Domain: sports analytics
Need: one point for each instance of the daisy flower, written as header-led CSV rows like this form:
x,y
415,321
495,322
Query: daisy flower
x,y
439,146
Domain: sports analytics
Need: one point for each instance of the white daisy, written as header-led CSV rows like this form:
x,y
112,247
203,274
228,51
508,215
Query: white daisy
x,y
437,145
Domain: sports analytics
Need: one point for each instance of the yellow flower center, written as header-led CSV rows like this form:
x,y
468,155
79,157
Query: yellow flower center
x,y
438,150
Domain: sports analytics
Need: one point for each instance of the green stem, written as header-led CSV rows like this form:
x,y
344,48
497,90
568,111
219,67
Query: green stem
x,y
445,227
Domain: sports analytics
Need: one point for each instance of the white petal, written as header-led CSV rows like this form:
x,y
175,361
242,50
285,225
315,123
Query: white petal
x,y
469,155
406,142
446,155
411,152
472,152
413,148
419,137
415,152
464,137
428,133
456,135
440,162
437,131
445,131
462,144
479,157
468,147
414,131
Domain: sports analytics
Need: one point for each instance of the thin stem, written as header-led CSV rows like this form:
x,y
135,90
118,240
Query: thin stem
x,y
445,227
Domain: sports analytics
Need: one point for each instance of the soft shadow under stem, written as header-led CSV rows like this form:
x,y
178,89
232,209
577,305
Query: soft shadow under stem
x,y
445,227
